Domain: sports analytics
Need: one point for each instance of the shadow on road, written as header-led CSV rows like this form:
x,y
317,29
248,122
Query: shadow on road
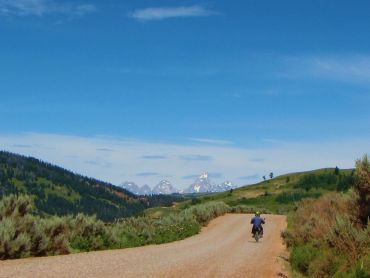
x,y
253,241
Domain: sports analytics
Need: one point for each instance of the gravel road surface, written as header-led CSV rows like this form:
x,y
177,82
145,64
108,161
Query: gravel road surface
x,y
223,249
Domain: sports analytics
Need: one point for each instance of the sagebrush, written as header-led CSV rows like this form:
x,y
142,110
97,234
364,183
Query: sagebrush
x,y
23,234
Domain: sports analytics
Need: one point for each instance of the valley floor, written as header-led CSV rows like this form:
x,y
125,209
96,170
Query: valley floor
x,y
223,249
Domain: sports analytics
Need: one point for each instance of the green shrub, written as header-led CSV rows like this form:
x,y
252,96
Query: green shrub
x,y
345,238
15,206
88,233
302,256
328,181
175,227
134,231
248,209
23,234
360,270
55,234
362,187
242,209
295,196
313,219
326,264
325,238
206,212
144,230
196,201
345,183
13,242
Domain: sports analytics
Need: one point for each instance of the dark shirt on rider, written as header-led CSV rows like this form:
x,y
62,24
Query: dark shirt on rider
x,y
257,221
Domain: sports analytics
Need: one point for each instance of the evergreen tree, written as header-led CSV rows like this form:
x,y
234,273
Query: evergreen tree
x,y
362,187
336,171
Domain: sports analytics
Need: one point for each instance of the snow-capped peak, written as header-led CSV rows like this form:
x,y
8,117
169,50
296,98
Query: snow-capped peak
x,y
164,187
131,186
201,184
203,176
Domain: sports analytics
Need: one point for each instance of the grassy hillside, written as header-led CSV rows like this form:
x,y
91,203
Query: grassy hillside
x,y
330,236
276,195
61,192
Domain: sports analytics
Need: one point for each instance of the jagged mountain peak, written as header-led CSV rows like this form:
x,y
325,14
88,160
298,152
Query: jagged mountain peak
x,y
203,176
201,184
131,186
164,187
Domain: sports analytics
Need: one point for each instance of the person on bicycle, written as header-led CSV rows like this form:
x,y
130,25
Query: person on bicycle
x,y
257,222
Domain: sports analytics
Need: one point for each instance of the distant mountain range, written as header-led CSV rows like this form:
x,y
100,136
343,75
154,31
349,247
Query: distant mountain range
x,y
57,191
201,185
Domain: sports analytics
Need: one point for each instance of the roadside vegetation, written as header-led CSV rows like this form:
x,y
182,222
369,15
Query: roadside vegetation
x,y
330,236
24,234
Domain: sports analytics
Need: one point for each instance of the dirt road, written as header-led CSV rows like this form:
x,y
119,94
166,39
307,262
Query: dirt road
x,y
223,249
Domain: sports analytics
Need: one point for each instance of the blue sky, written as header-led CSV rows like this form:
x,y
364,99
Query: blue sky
x,y
212,85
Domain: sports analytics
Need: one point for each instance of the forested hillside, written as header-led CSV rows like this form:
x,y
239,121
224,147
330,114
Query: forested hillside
x,y
58,191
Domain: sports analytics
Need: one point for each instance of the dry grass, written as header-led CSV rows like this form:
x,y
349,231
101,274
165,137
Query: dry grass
x,y
314,218
326,237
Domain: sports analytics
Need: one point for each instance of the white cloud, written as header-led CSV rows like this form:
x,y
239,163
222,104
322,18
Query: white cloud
x,y
83,155
211,141
43,7
354,68
348,68
148,14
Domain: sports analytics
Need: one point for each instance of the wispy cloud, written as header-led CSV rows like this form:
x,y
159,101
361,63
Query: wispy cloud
x,y
82,155
159,13
154,157
22,146
211,141
195,157
347,68
99,163
105,150
147,174
44,7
